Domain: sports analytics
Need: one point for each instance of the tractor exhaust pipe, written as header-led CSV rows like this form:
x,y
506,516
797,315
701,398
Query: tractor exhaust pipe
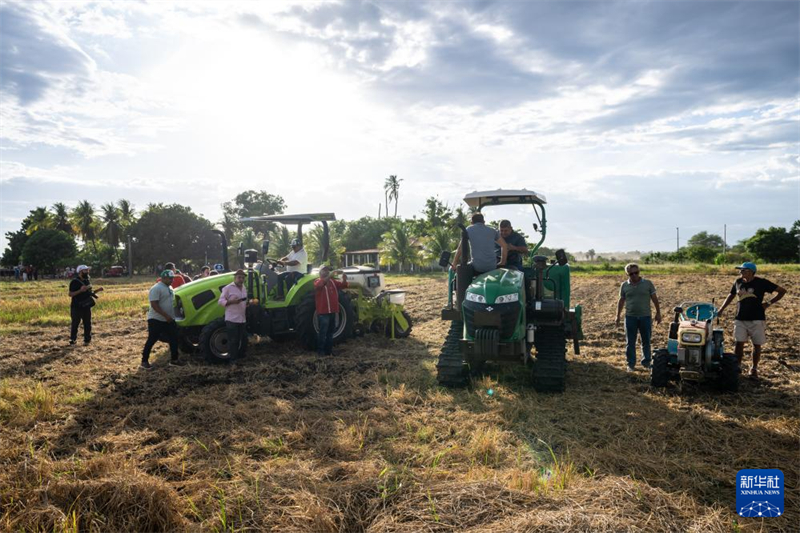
x,y
224,240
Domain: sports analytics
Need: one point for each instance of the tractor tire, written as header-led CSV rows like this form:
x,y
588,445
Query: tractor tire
x,y
659,372
550,364
399,333
214,342
307,327
728,379
450,369
188,341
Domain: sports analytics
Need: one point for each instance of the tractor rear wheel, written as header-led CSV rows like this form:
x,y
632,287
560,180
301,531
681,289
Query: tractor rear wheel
x,y
450,369
214,342
307,326
659,373
550,364
728,379
399,332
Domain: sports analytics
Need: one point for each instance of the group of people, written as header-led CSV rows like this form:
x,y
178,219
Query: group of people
x,y
636,295
26,273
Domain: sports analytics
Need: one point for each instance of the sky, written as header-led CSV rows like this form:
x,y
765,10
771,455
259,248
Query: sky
x,y
633,118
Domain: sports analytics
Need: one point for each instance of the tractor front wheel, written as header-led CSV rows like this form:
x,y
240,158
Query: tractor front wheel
x,y
728,373
308,325
399,332
214,342
659,373
188,341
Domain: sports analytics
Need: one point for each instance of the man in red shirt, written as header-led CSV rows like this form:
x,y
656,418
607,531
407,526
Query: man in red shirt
x,y
326,296
178,280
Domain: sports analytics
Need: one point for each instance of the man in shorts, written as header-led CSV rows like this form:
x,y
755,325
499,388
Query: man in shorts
x,y
750,322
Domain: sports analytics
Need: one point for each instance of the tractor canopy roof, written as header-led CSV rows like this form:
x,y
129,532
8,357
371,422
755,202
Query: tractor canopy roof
x,y
481,199
306,218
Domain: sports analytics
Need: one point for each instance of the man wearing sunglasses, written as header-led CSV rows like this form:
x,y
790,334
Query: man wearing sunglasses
x,y
750,322
635,295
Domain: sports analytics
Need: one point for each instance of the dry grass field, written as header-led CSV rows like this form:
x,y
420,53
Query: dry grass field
x,y
366,440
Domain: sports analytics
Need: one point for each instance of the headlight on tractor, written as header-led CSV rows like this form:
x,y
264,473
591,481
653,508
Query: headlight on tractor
x,y
692,338
478,298
507,298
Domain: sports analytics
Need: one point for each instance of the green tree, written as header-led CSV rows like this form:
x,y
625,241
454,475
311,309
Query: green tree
x,y
436,212
47,249
708,240
171,233
252,204
397,248
364,233
313,243
441,239
773,245
13,251
392,189
112,225
700,254
85,220
40,219
61,219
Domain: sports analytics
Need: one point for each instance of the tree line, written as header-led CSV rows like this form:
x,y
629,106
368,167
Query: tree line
x,y
55,237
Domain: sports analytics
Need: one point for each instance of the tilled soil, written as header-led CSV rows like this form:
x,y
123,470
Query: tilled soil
x,y
366,441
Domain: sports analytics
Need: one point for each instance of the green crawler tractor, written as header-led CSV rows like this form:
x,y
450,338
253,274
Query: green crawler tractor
x,y
501,316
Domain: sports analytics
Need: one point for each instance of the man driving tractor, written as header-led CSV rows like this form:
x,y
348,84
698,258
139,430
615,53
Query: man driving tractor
x,y
482,241
296,263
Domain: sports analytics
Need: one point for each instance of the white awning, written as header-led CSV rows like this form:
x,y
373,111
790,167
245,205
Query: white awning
x,y
480,199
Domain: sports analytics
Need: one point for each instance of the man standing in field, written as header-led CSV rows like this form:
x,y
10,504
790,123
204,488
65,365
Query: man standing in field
x,y
161,320
234,300
635,295
751,318
326,297
81,303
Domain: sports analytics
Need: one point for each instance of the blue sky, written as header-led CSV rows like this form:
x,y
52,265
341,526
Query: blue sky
x,y
631,117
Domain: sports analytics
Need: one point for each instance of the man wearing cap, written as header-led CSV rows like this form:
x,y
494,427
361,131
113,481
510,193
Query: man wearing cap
x,y
326,298
635,296
516,245
750,321
296,263
82,301
234,300
161,320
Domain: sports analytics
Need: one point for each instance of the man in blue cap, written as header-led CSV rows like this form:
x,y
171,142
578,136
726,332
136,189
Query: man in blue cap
x,y
750,321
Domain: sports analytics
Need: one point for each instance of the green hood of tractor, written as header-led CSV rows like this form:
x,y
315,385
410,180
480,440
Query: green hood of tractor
x,y
498,283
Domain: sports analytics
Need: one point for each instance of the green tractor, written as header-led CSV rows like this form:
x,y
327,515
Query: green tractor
x,y
201,321
501,315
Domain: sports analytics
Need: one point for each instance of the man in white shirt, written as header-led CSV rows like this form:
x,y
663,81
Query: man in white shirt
x,y
296,263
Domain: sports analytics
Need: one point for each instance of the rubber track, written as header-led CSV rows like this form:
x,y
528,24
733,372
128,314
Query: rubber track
x,y
550,365
450,369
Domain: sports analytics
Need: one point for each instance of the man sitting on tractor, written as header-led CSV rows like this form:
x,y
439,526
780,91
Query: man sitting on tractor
x,y
296,263
516,245
482,240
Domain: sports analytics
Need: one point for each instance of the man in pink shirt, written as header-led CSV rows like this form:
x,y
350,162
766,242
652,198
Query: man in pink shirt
x,y
234,300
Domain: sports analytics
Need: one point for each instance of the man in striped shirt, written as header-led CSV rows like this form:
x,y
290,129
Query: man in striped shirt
x,y
326,296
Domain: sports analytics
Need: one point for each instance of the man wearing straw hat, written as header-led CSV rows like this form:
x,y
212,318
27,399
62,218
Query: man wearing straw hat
x,y
751,318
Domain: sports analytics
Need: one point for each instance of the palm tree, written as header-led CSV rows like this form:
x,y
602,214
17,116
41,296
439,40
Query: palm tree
x,y
441,239
127,214
397,247
61,218
112,226
84,219
281,242
391,188
38,219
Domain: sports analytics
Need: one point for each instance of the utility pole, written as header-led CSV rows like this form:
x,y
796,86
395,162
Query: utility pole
x,y
379,210
677,239
130,258
724,238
